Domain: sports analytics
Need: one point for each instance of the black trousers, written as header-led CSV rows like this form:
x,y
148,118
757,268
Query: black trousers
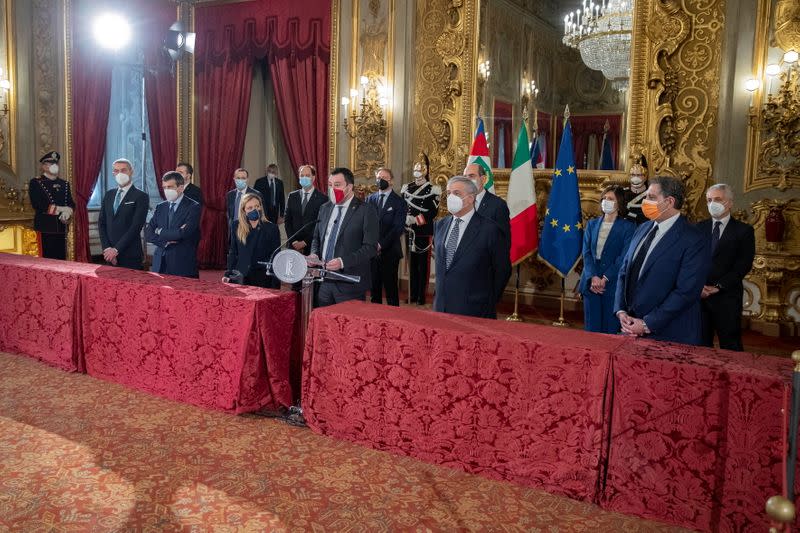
x,y
384,277
332,292
419,269
54,245
722,315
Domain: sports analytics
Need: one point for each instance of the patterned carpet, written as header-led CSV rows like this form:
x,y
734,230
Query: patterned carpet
x,y
78,455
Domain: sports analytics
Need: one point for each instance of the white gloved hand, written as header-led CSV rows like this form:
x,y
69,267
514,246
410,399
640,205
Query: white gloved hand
x,y
64,213
410,220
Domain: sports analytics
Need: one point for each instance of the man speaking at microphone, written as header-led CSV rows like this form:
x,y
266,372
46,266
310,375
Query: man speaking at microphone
x,y
345,239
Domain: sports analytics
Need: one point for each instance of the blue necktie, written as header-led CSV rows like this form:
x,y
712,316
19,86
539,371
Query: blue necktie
x,y
452,243
171,213
117,200
330,246
383,201
636,266
715,236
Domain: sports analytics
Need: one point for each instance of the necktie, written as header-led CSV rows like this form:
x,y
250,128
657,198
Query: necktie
x,y
330,246
636,266
171,213
452,243
383,201
272,190
236,206
715,236
117,200
305,202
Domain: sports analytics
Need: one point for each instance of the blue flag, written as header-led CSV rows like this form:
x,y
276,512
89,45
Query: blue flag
x,y
607,160
562,236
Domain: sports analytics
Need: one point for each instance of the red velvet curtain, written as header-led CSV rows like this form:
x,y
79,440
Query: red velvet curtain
x,y
160,87
294,37
91,97
584,127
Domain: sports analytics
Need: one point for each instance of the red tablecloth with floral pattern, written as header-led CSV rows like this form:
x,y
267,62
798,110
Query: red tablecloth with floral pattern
x,y
676,433
213,345
39,309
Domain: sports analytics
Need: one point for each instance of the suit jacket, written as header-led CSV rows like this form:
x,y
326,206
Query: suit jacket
x,y
667,293
275,209
495,208
392,222
176,243
479,272
732,259
193,191
261,243
613,251
230,201
356,243
122,230
296,218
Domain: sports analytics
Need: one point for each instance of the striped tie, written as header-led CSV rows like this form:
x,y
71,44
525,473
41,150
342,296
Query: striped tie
x,y
452,243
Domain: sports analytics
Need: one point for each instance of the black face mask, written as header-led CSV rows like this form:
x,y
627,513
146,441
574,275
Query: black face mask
x,y
383,184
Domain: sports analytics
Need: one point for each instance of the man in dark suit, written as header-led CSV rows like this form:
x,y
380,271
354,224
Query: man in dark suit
x,y
302,209
472,262
174,230
733,247
346,238
190,190
664,269
233,198
487,204
51,198
271,189
391,211
122,215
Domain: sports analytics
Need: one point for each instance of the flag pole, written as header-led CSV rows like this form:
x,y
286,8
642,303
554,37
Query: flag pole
x,y
561,322
515,315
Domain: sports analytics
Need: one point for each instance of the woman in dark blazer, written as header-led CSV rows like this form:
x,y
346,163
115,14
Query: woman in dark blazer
x,y
253,238
605,242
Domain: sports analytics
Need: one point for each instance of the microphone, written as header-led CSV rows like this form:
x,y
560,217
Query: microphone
x,y
295,234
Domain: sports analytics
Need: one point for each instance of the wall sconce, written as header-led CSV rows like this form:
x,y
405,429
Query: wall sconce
x,y
529,92
5,86
777,119
366,123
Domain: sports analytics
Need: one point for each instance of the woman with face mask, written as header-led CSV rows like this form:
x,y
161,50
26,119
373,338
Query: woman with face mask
x,y
605,242
253,239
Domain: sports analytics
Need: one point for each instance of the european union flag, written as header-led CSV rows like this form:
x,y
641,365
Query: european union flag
x,y
562,236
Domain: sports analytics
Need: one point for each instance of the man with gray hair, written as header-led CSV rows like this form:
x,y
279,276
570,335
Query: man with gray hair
x,y
733,247
123,213
472,262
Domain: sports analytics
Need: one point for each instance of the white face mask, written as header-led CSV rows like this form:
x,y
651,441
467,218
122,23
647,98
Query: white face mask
x,y
170,194
53,169
716,209
417,174
608,206
122,179
454,203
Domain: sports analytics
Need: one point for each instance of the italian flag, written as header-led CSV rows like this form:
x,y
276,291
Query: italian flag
x,y
522,202
480,155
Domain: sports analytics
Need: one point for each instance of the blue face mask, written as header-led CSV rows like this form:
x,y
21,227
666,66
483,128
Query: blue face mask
x,y
253,215
240,184
305,181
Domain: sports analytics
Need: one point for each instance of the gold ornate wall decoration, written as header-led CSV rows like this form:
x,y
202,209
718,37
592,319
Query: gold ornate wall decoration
x,y
677,57
8,54
185,112
45,76
787,24
776,268
446,57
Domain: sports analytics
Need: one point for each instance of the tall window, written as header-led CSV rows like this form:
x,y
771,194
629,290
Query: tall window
x,y
128,132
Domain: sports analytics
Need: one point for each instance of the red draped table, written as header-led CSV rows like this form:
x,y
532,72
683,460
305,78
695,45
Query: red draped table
x,y
218,346
676,433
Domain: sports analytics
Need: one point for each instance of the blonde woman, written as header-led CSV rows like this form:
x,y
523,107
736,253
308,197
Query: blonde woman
x,y
253,239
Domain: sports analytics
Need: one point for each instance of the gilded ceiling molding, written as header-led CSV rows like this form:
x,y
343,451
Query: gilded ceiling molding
x,y
673,119
445,86
45,69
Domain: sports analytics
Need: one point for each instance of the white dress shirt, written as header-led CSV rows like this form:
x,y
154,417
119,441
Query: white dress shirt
x,y
345,206
724,220
462,228
663,228
479,198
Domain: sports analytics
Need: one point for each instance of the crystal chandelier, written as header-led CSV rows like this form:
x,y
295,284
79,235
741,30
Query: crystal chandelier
x,y
602,33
